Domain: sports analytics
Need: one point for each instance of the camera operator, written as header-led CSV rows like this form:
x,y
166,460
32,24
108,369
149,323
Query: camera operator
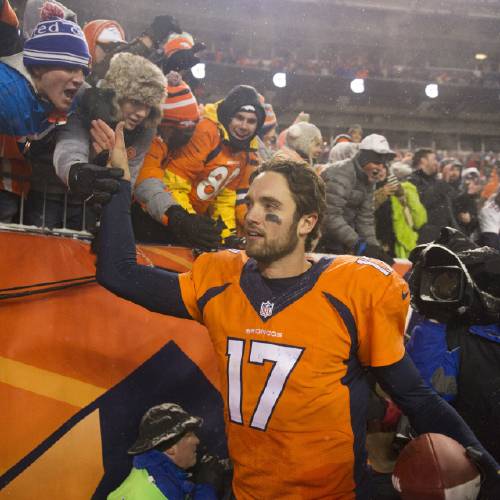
x,y
455,286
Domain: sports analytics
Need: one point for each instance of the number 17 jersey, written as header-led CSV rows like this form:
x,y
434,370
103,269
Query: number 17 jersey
x,y
293,368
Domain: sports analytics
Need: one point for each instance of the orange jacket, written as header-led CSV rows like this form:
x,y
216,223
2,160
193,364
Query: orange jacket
x,y
208,176
15,171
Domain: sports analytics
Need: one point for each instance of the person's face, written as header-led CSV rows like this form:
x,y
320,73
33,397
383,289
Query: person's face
x,y
243,125
454,174
271,228
472,184
58,85
375,172
99,53
133,113
183,453
429,164
174,135
356,136
316,148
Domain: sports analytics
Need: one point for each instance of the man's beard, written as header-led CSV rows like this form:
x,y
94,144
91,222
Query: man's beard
x,y
267,253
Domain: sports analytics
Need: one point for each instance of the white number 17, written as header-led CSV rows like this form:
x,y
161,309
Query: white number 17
x,y
283,357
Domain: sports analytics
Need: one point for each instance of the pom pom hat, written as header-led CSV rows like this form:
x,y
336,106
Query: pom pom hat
x,y
57,42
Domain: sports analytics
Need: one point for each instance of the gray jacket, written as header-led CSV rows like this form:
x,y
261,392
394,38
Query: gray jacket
x,y
73,146
350,211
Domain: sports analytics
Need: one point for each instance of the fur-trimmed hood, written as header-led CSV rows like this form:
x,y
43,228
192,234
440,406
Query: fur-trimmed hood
x,y
134,77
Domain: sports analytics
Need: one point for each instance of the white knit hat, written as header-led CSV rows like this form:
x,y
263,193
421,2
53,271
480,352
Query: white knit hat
x,y
300,136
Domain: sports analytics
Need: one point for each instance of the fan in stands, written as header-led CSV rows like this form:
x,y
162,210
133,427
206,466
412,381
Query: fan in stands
x,y
435,467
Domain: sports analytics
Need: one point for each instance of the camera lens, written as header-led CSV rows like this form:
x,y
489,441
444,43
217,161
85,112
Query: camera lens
x,y
445,286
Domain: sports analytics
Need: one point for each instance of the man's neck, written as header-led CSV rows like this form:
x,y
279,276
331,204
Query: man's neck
x,y
293,264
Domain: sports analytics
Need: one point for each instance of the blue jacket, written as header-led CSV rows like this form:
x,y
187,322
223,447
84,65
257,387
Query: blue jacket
x,y
22,112
439,366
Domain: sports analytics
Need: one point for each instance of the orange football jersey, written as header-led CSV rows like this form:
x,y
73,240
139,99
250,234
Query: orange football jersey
x,y
292,365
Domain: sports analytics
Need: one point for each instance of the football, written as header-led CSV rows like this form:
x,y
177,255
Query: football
x,y
435,467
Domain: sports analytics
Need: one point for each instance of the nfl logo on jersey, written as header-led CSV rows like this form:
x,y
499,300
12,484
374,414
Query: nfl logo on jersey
x,y
266,309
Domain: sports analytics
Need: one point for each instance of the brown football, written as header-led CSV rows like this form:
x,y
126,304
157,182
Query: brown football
x,y
435,467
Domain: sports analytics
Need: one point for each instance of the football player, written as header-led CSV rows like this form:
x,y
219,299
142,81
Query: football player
x,y
293,336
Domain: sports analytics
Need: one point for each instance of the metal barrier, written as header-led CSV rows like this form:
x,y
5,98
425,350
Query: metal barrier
x,y
20,226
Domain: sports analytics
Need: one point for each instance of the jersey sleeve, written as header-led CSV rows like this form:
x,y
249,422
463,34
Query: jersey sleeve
x,y
195,283
382,322
211,274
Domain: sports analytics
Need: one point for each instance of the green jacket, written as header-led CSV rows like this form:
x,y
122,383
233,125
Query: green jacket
x,y
407,218
137,486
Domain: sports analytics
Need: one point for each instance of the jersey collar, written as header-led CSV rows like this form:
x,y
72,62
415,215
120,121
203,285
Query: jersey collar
x,y
267,305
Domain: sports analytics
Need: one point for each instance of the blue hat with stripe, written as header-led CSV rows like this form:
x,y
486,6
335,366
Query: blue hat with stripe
x,y
57,42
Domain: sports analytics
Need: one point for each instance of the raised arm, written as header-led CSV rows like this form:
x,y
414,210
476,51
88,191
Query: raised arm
x,y
117,269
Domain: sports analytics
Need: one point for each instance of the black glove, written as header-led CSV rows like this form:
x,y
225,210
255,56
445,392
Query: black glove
x,y
193,230
210,470
97,103
379,253
373,251
490,473
234,241
162,27
93,183
183,59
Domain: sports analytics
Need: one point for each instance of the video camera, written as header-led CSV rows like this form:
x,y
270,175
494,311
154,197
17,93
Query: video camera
x,y
454,279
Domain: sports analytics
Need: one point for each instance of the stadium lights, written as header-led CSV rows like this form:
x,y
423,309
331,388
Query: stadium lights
x,y
358,85
432,90
481,56
198,71
279,80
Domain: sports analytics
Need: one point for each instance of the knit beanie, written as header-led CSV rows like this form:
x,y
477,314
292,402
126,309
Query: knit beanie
x,y
135,78
180,104
103,31
57,42
300,137
178,41
241,98
270,122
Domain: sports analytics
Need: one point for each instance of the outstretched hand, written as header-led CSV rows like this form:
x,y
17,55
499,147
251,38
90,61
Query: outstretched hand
x,y
103,136
119,157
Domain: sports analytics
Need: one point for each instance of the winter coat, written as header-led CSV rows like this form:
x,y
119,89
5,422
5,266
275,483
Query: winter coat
x,y
137,486
489,223
350,211
407,218
150,189
436,197
462,364
155,477
74,146
466,203
24,116
207,175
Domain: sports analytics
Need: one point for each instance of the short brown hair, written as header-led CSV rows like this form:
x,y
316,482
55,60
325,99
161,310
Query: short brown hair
x,y
307,188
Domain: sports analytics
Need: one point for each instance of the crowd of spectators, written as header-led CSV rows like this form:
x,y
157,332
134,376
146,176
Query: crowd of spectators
x,y
191,163
358,65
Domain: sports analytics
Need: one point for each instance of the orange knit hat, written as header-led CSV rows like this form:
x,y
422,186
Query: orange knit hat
x,y
180,106
95,29
176,42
